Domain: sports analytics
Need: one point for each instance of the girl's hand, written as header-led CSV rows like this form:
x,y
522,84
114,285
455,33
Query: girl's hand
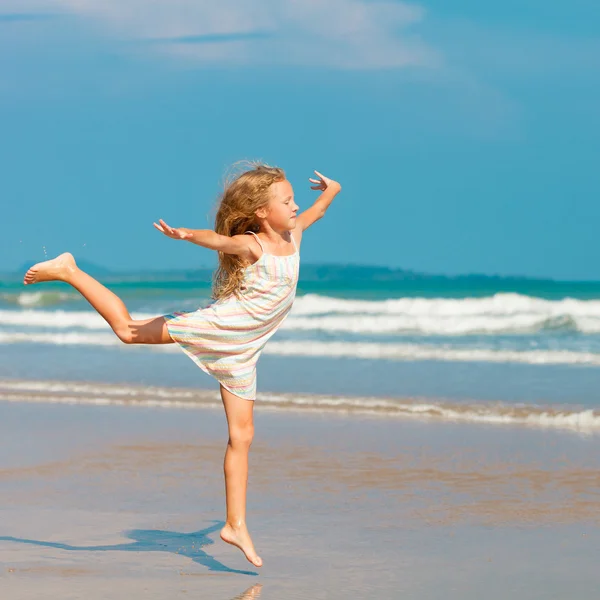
x,y
173,232
324,183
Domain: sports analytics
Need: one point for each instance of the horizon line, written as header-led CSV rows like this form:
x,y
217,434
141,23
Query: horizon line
x,y
108,271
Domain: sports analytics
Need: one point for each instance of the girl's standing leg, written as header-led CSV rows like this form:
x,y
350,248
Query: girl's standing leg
x,y
109,305
241,431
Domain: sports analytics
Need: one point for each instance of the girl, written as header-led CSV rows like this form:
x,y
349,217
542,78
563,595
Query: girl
x,y
257,235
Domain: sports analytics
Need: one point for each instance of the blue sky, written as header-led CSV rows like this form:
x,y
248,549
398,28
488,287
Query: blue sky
x,y
466,134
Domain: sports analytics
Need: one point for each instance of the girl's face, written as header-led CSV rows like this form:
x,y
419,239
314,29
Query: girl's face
x,y
281,210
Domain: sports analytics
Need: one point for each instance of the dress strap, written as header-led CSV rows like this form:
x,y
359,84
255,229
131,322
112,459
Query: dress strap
x,y
294,241
258,240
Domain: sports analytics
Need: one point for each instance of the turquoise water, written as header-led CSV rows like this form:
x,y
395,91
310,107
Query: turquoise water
x,y
470,339
368,287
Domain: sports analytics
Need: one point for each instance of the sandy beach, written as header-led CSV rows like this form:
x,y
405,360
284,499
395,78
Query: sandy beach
x,y
126,502
379,219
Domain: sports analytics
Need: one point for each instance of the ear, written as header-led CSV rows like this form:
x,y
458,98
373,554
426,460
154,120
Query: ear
x,y
262,212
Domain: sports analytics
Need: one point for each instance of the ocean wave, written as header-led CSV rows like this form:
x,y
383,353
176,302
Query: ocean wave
x,y
488,413
501,304
39,299
498,314
417,352
361,324
58,319
313,348
442,326
502,314
71,338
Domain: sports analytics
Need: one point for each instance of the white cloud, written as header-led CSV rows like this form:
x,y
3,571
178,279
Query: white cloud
x,y
347,34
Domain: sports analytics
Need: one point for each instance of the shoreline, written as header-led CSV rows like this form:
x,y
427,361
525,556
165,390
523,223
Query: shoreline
x,y
580,420
454,382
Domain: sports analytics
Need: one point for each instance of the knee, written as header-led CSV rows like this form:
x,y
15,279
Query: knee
x,y
241,435
125,333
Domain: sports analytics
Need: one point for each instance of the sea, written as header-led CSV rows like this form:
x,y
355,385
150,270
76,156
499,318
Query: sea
x,y
490,350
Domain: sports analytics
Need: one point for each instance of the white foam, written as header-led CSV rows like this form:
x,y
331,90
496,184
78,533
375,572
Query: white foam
x,y
38,298
58,319
408,352
431,325
60,339
364,350
73,387
492,413
574,419
498,314
498,304
501,313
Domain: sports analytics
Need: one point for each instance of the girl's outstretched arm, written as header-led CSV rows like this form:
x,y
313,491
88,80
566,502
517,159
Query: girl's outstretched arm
x,y
330,189
241,245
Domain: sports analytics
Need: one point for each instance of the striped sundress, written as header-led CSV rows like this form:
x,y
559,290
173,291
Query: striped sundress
x,y
226,337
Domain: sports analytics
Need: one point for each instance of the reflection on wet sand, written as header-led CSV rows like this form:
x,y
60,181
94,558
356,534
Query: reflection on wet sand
x,y
331,501
251,593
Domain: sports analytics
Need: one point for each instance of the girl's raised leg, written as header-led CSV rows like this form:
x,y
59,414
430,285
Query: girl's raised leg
x,y
241,431
108,305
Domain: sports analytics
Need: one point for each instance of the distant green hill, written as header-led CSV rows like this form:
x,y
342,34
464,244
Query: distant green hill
x,y
327,273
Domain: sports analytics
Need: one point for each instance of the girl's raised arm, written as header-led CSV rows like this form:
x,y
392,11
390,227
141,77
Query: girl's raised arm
x,y
330,189
237,244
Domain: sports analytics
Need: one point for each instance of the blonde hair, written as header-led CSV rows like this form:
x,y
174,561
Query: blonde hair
x,y
242,196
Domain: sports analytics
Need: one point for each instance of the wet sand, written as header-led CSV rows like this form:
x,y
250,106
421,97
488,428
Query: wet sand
x,y
123,502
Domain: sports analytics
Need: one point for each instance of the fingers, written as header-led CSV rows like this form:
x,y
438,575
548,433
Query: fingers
x,y
319,184
165,226
168,230
325,183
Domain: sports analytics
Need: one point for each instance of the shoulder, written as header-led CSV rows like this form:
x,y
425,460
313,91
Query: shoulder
x,y
296,235
252,249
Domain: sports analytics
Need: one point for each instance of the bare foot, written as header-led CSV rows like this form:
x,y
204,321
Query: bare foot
x,y
50,270
239,536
